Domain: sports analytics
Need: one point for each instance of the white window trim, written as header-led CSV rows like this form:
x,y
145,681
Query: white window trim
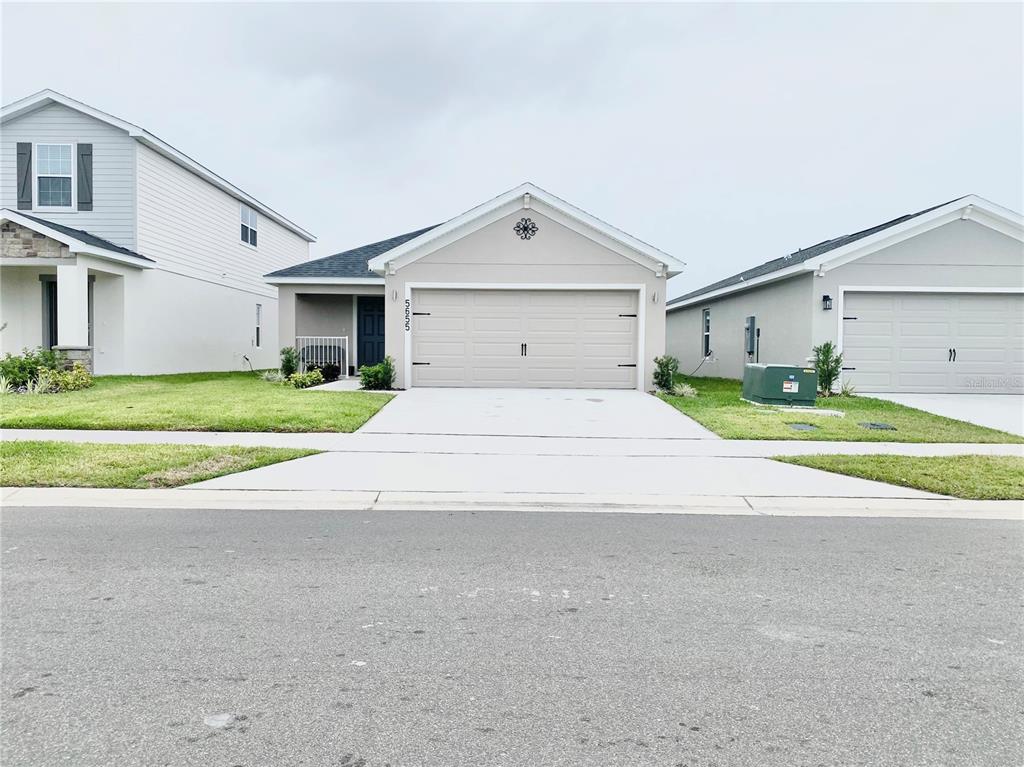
x,y
705,332
36,207
241,208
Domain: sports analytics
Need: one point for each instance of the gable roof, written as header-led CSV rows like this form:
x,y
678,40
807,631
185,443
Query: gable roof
x,y
47,97
77,240
830,253
344,266
525,197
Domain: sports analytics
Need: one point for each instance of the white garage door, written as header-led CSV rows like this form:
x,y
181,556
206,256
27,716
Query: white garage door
x,y
524,338
934,342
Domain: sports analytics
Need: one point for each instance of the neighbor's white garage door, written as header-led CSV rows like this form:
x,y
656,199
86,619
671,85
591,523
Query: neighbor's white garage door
x,y
934,342
524,338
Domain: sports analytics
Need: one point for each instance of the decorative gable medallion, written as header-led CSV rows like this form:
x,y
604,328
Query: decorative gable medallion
x,y
525,228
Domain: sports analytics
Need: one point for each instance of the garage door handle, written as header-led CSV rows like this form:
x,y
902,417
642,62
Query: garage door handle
x,y
630,365
421,363
954,354
950,358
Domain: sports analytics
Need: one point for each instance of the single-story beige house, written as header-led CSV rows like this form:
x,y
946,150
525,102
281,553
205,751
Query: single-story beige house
x,y
524,290
928,302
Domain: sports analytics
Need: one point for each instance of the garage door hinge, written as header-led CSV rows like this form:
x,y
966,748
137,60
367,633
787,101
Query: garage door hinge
x,y
421,314
627,315
846,368
849,318
631,365
421,363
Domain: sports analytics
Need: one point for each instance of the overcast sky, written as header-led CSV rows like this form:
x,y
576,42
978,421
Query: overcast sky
x,y
723,134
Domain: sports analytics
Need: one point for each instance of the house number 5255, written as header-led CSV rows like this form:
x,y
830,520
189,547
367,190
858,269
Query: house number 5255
x,y
408,313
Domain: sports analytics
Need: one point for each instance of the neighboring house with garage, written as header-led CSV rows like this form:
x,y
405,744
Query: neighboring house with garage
x,y
128,254
928,302
525,290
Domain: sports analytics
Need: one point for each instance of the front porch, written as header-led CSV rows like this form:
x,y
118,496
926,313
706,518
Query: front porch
x,y
63,291
327,324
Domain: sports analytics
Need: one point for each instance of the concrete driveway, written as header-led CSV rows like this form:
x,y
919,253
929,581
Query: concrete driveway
x,y
600,413
996,411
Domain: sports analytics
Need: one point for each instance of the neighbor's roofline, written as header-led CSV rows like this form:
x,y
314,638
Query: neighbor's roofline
x,y
74,244
46,97
526,195
971,207
312,280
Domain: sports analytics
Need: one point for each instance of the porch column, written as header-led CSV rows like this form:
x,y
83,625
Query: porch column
x,y
73,312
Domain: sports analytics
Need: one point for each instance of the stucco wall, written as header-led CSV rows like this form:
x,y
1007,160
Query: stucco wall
x,y
21,307
960,254
494,255
782,311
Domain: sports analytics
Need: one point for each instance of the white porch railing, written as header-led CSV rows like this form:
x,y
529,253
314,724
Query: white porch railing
x,y
317,351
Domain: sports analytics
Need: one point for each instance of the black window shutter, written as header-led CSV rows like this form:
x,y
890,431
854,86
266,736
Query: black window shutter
x,y
24,176
85,176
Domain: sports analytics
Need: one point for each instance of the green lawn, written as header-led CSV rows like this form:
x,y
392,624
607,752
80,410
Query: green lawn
x,y
718,407
980,477
192,402
71,464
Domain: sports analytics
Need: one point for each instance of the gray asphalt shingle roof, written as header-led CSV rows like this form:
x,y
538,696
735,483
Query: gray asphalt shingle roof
x,y
349,263
88,239
801,255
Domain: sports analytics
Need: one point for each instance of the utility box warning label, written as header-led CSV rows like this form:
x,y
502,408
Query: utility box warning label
x,y
791,387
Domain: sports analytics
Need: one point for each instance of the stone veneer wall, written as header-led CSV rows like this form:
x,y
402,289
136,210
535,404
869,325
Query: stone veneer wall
x,y
17,241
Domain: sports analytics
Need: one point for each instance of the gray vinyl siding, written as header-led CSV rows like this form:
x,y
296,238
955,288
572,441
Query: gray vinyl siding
x,y
113,213
191,227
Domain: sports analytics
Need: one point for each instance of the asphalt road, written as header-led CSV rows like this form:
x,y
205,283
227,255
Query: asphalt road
x,y
334,638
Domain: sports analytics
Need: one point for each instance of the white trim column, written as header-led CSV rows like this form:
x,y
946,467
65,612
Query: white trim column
x,y
73,305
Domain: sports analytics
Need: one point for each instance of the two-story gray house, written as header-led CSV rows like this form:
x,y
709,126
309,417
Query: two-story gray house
x,y
128,254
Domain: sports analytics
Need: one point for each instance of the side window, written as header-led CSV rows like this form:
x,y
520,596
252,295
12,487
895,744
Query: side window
x,y
54,176
248,218
706,331
259,325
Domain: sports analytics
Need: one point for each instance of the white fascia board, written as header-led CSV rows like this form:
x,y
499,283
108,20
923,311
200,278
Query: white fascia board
x,y
324,280
511,201
74,244
46,97
970,208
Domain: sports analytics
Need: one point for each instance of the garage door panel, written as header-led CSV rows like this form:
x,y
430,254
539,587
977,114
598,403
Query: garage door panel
x,y
439,323
986,330
573,338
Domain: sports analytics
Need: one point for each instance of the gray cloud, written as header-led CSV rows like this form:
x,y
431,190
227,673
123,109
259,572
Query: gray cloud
x,y
724,134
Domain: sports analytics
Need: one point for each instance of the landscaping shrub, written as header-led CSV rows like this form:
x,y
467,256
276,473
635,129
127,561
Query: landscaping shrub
x,y
665,370
289,361
24,368
272,376
330,371
379,376
683,390
305,380
829,366
75,379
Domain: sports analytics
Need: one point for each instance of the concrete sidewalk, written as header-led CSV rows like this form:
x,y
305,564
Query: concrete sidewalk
x,y
513,445
308,500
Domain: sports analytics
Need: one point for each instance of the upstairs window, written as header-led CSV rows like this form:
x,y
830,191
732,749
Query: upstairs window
x,y
54,176
248,225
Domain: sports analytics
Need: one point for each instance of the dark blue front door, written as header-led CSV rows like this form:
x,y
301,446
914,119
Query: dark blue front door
x,y
370,329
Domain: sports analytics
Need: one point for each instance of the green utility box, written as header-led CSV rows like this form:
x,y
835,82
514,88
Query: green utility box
x,y
780,384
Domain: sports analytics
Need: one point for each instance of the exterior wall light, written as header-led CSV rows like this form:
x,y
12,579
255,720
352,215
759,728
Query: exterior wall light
x,y
826,302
